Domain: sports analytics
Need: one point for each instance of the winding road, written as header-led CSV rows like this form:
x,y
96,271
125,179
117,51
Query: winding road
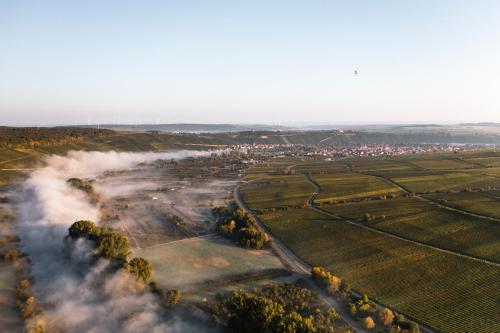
x,y
297,265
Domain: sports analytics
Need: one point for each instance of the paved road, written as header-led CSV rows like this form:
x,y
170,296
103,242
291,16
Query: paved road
x,y
297,265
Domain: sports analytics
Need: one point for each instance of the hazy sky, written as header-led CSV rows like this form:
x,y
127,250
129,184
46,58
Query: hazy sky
x,y
65,62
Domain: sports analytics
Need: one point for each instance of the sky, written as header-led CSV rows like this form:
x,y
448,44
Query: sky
x,y
273,62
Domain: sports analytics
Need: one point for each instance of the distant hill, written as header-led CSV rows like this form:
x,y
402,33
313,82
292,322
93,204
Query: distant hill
x,y
197,128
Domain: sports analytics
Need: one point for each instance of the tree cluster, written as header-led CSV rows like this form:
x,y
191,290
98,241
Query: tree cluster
x,y
22,137
287,308
326,280
238,225
112,244
362,308
26,300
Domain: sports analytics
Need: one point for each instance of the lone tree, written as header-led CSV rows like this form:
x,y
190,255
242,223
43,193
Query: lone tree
x,y
141,268
83,228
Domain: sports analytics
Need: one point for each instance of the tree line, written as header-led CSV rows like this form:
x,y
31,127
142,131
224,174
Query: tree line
x,y
362,308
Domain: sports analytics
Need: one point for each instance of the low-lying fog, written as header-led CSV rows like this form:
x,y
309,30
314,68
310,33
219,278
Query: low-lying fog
x,y
80,297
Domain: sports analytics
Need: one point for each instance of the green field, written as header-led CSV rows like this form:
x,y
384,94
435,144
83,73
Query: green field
x,y
446,292
190,263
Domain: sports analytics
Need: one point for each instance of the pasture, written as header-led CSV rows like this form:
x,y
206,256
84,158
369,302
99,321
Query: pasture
x,y
194,262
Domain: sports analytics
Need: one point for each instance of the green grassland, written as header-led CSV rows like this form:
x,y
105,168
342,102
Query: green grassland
x,y
347,186
447,292
190,263
277,191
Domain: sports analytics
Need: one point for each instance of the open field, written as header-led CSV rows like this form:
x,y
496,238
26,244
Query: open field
x,y
277,191
193,263
424,284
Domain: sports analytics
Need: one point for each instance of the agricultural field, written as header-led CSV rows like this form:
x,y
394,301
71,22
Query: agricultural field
x,y
277,191
483,203
321,167
378,164
197,263
348,186
442,164
418,220
426,284
410,274
432,181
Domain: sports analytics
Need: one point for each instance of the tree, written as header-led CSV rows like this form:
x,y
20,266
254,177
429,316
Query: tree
x,y
84,228
171,297
114,245
386,317
141,268
11,255
367,323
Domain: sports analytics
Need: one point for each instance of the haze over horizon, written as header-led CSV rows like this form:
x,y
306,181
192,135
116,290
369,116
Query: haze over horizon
x,y
260,62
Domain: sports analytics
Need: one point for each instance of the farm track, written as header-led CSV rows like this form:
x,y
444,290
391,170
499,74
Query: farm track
x,y
297,265
311,204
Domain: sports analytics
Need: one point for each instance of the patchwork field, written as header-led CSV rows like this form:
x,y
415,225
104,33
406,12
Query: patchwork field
x,y
431,181
347,186
484,203
277,191
425,284
448,291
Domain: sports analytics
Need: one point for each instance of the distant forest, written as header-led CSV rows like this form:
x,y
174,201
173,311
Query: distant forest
x,y
29,137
